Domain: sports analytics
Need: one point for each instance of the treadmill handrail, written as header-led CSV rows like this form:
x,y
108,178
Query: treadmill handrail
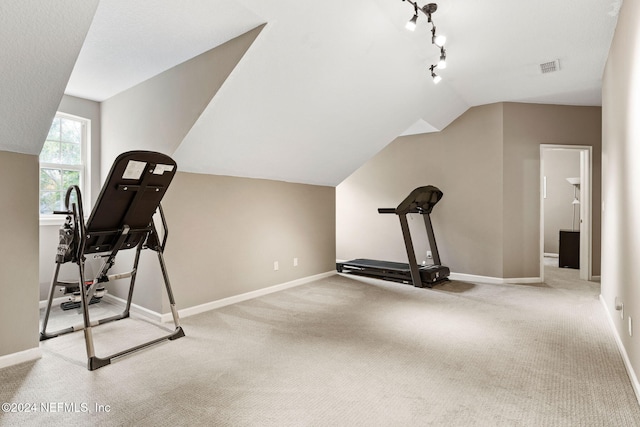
x,y
387,210
421,200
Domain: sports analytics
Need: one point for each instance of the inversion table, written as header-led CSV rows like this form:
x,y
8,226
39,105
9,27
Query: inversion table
x,y
121,219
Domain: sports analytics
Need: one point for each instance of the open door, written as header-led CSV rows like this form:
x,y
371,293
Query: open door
x,y
584,213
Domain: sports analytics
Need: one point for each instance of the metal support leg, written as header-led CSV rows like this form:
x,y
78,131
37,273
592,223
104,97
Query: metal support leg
x,y
432,239
132,283
411,254
84,303
43,331
174,312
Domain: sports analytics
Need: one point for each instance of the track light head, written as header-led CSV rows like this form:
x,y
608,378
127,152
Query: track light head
x,y
436,78
442,63
411,25
438,40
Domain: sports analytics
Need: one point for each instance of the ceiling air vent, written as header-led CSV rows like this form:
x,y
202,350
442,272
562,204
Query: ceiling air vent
x,y
550,67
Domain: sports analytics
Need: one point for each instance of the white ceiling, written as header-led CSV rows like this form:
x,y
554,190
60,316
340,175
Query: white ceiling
x,y
326,85
39,42
132,41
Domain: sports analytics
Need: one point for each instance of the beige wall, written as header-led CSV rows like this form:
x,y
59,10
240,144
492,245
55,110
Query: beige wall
x,y
465,162
487,163
621,177
18,252
526,126
226,233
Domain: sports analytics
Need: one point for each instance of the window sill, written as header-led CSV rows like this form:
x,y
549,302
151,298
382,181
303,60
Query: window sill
x,y
46,220
58,220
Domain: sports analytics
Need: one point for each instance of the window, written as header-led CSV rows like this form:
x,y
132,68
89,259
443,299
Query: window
x,y
62,161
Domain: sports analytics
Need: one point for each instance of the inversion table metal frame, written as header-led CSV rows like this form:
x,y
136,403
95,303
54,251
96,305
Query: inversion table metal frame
x,y
121,219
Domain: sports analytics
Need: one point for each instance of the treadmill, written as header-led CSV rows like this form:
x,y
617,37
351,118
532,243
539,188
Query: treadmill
x,y
421,200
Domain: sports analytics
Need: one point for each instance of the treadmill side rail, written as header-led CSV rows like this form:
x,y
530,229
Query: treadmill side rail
x,y
429,275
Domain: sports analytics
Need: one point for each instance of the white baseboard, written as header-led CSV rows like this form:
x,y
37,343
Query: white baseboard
x,y
551,255
471,278
494,280
623,352
20,357
56,301
135,308
192,311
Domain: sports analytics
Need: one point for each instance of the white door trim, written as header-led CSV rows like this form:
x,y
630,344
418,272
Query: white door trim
x,y
586,186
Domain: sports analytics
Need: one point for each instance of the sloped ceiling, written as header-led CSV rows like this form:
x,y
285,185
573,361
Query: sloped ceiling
x,y
308,105
158,113
327,85
133,40
39,43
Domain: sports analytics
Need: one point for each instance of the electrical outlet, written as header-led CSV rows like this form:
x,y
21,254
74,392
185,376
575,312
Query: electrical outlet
x,y
429,255
630,327
619,307
276,267
295,262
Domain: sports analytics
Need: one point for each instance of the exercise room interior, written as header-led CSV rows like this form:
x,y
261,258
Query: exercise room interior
x,y
290,126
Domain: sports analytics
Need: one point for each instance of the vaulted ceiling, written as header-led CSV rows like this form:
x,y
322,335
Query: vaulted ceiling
x,y
322,88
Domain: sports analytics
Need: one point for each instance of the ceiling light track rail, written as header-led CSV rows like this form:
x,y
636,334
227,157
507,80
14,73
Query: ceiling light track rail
x,y
436,40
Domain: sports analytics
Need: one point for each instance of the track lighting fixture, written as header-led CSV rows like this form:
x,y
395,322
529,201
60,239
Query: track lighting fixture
x,y
411,25
436,39
436,78
442,63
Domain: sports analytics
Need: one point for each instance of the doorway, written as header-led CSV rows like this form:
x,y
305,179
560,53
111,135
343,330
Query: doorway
x,y
576,204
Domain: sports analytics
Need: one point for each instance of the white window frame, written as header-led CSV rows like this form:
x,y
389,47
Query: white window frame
x,y
83,168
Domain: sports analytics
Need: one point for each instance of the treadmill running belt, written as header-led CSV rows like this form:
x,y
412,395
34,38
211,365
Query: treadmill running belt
x,y
372,263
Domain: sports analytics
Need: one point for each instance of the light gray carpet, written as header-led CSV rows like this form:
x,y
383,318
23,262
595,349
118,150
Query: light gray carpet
x,y
353,352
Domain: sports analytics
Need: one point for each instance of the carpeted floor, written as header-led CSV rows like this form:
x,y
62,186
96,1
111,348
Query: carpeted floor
x,y
350,352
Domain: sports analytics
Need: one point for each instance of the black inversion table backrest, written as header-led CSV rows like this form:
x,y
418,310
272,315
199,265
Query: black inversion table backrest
x,y
130,196
421,200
